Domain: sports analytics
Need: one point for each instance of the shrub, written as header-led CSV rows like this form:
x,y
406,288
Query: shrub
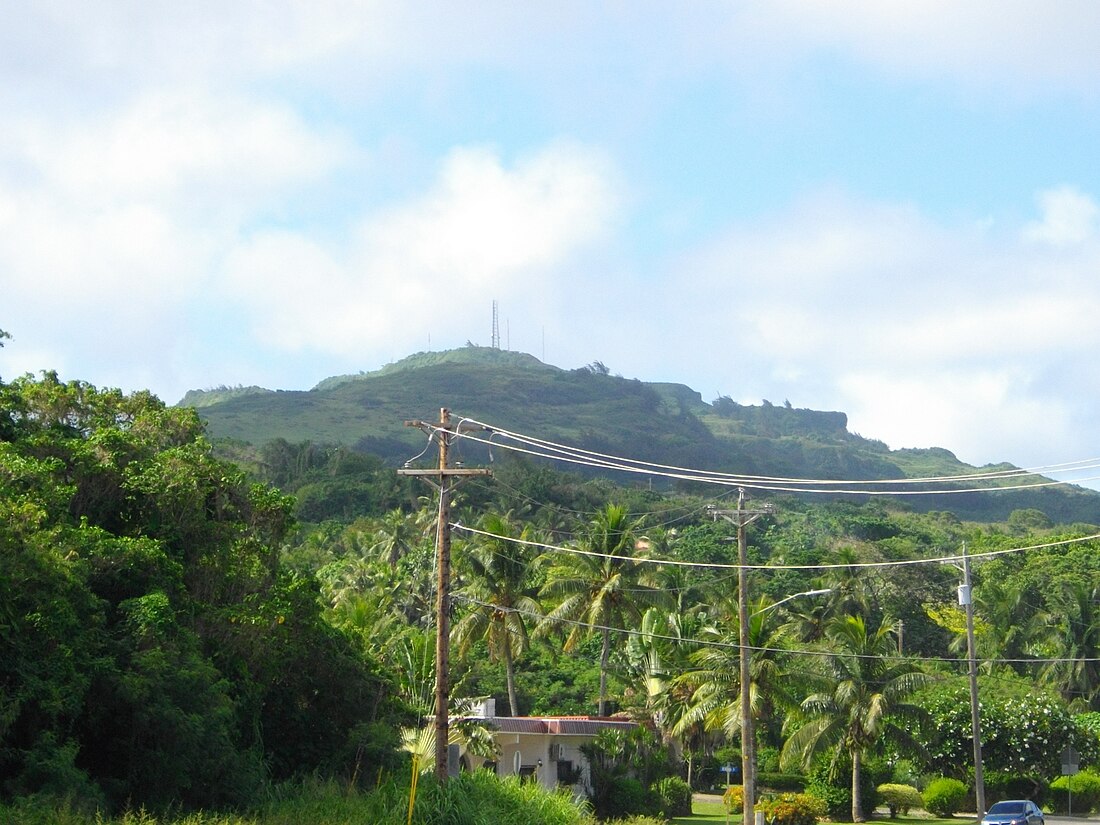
x,y
792,809
734,799
836,798
469,798
621,766
477,797
1023,731
835,788
626,795
728,755
704,774
905,773
1011,785
944,796
900,798
673,796
1088,721
774,781
1085,788
767,761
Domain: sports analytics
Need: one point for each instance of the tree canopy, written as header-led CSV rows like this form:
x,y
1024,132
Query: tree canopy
x,y
155,649
182,624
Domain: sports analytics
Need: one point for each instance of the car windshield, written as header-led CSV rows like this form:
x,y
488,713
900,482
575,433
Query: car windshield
x,y
1007,808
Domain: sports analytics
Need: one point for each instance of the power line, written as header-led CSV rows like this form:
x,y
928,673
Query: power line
x,y
593,458
626,631
753,482
727,566
689,509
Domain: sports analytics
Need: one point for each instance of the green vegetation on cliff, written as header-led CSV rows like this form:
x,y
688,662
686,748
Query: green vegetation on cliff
x,y
591,409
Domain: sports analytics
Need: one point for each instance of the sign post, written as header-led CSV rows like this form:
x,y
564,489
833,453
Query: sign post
x,y
1071,762
729,770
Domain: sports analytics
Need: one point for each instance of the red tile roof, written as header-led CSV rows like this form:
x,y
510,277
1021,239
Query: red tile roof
x,y
575,725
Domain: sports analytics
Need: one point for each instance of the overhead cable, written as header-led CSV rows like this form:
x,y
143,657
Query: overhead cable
x,y
566,450
754,649
725,566
591,459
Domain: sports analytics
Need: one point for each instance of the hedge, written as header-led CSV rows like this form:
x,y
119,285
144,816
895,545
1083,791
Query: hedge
x,y
900,798
944,796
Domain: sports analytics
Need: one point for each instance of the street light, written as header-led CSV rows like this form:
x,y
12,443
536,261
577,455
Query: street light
x,y
748,778
741,518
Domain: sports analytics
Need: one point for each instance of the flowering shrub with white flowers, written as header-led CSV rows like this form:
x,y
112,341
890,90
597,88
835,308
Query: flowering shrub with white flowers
x,y
1022,732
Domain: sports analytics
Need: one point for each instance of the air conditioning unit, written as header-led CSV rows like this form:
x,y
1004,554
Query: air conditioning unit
x,y
555,752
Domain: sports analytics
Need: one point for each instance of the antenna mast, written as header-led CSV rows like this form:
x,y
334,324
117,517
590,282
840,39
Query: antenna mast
x,y
496,327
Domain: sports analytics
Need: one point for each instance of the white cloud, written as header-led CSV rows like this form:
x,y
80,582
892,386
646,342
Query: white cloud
x,y
126,210
975,412
483,231
484,222
1069,217
110,222
175,148
135,45
352,49
1014,47
925,333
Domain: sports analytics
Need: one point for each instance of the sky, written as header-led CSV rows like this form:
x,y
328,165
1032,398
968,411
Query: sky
x,y
887,209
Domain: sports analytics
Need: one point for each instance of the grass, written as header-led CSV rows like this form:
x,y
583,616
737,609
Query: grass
x,y
706,812
474,799
714,812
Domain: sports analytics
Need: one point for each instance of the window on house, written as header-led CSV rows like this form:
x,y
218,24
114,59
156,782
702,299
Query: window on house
x,y
567,774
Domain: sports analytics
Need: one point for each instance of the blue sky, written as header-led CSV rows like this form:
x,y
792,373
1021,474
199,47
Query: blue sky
x,y
889,209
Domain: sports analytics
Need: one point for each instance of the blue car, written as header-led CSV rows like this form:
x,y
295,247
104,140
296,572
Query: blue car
x,y
1014,812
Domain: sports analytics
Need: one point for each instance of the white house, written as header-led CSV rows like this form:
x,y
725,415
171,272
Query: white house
x,y
545,749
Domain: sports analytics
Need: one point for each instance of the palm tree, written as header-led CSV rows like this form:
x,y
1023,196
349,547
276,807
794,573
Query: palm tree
x,y
663,647
852,592
864,699
602,588
391,555
715,681
1074,622
496,573
396,533
1008,625
853,587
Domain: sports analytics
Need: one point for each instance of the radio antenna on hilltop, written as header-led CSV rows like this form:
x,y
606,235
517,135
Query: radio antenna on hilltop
x,y
496,327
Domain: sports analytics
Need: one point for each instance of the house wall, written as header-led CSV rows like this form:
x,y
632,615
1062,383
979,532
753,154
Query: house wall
x,y
527,744
522,752
520,755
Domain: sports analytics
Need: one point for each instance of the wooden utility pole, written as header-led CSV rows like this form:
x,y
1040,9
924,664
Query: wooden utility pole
x,y
741,518
966,598
443,432
966,601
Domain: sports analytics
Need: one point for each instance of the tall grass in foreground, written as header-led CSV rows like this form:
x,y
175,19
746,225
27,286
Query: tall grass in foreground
x,y
472,799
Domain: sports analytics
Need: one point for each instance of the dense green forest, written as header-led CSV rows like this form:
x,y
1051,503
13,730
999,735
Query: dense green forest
x,y
192,624
156,649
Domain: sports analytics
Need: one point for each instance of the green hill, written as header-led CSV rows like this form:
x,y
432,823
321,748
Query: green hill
x,y
589,408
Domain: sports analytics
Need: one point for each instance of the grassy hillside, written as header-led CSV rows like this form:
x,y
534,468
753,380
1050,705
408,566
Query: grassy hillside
x,y
588,408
